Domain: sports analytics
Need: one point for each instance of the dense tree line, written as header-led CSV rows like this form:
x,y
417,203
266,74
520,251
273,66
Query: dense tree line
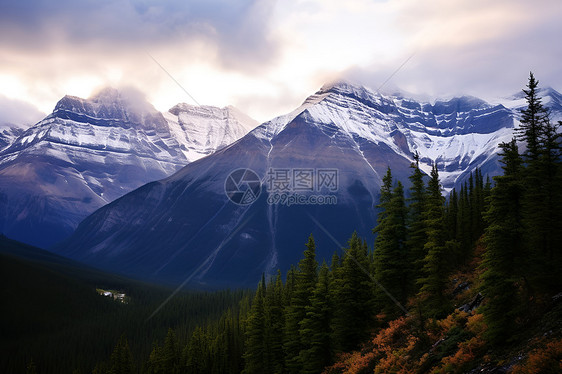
x,y
523,237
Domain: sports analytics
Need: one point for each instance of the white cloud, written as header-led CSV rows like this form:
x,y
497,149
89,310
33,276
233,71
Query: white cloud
x,y
18,113
266,57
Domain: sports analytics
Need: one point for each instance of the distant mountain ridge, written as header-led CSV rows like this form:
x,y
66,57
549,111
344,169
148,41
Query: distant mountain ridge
x,y
204,129
185,227
88,152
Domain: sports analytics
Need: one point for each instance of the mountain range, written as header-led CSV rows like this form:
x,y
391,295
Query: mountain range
x,y
248,208
88,152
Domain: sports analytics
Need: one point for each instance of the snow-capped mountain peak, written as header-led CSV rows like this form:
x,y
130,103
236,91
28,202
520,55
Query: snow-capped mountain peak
x,y
458,134
89,152
111,107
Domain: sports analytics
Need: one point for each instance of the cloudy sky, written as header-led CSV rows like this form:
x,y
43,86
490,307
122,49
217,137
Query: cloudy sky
x,y
266,56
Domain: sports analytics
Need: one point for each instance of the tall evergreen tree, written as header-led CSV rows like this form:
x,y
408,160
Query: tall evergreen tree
x,y
416,234
435,270
305,281
550,165
171,353
543,186
352,295
391,263
289,285
505,258
464,221
451,215
532,120
121,360
335,263
195,355
274,325
386,195
255,356
315,328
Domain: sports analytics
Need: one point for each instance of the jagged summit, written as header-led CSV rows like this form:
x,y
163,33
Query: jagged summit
x,y
89,152
454,133
362,93
227,112
341,85
112,107
205,129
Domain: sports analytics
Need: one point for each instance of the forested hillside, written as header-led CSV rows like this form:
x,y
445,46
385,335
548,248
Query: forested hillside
x,y
53,318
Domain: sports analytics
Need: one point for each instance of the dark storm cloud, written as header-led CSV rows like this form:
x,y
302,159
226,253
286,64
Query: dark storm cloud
x,y
237,29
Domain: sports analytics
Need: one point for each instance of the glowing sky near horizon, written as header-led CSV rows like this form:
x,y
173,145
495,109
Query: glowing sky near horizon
x,y
266,57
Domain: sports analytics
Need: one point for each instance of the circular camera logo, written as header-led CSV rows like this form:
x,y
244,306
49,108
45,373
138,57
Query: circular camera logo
x,y
242,186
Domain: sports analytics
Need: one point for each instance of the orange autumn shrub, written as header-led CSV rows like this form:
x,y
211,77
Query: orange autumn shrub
x,y
466,353
388,351
437,329
547,359
476,324
398,360
359,363
351,363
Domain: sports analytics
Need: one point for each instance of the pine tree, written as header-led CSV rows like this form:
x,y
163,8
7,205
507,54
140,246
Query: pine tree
x,y
155,360
550,164
471,208
352,295
451,215
171,353
542,207
196,353
486,197
505,258
274,324
315,328
254,356
386,195
335,263
439,251
542,195
289,285
416,235
305,282
532,119
463,220
391,256
121,360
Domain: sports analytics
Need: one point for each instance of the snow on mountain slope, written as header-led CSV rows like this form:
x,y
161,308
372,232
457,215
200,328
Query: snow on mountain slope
x,y
204,129
550,98
89,152
8,134
186,226
459,134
